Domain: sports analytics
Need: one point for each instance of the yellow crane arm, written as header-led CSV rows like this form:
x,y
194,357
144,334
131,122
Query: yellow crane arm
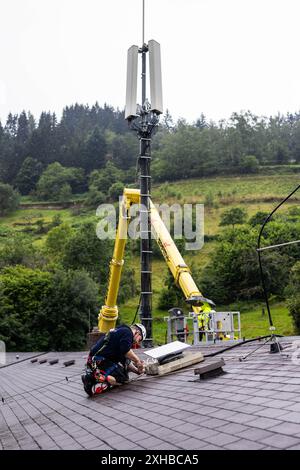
x,y
180,271
109,312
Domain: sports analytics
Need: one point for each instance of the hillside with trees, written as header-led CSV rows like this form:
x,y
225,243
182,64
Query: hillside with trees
x,y
89,139
54,269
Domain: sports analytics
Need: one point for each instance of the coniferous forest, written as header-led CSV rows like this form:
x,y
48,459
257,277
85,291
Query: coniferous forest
x,y
87,139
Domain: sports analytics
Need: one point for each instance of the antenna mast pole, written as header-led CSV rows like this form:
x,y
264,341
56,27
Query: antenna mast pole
x,y
145,190
143,38
143,119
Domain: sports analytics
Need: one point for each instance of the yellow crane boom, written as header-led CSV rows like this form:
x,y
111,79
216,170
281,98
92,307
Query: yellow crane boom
x,y
180,271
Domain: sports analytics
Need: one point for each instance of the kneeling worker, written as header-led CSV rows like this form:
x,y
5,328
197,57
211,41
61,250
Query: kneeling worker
x,y
111,358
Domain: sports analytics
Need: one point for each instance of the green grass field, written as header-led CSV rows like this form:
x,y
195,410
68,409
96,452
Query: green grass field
x,y
25,216
255,324
254,193
237,189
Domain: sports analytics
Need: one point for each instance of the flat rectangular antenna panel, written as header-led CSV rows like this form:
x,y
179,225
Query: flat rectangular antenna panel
x,y
131,83
155,77
166,349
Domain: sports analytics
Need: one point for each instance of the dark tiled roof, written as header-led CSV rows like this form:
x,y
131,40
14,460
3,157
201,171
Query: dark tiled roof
x,y
255,405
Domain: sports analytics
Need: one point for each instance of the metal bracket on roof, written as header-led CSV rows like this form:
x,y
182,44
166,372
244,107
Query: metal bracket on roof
x,y
69,363
212,369
53,361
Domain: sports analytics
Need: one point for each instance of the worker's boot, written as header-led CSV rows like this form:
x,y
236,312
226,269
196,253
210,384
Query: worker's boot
x,y
88,383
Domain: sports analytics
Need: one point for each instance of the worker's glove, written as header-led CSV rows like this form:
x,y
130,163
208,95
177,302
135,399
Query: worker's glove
x,y
140,367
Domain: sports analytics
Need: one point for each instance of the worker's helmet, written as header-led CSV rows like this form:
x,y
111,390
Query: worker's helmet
x,y
142,330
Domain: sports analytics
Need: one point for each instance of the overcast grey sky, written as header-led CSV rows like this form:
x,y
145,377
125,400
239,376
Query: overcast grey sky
x,y
218,56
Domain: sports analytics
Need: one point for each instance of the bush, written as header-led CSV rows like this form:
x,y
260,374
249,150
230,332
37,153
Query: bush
x,y
294,310
84,250
41,227
168,299
56,181
233,216
63,317
116,191
21,293
278,232
233,273
5,231
294,211
128,287
57,239
292,291
28,175
209,200
258,218
102,180
65,193
94,198
18,250
56,220
9,199
249,164
171,295
42,311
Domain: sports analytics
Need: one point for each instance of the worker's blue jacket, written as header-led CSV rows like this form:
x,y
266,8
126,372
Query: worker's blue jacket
x,y
114,345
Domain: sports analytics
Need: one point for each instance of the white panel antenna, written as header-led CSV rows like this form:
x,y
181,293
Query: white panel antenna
x,y
131,83
155,77
167,349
